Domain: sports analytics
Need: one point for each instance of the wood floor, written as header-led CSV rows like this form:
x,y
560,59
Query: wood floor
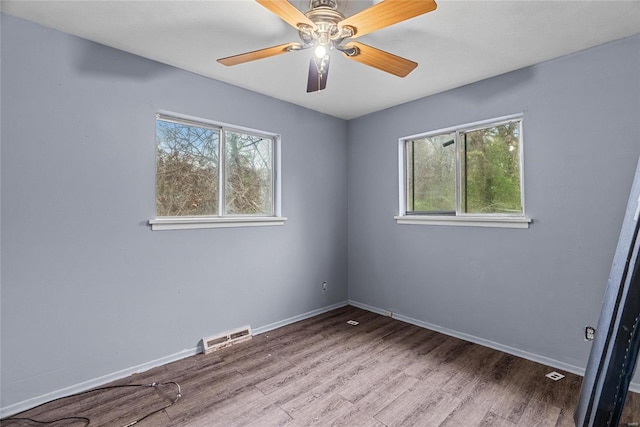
x,y
323,371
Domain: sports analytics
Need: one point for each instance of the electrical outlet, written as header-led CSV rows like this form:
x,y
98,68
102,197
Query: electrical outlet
x,y
324,286
589,333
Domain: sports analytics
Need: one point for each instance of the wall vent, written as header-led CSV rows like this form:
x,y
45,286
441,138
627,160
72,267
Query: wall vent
x,y
226,339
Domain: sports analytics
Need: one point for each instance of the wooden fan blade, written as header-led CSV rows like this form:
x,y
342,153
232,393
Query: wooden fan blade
x,y
287,12
386,13
380,59
318,73
259,54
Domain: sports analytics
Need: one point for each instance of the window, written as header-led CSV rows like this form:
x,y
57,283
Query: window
x,y
466,175
209,175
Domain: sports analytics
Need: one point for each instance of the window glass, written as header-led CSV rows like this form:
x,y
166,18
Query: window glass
x,y
186,169
492,170
431,174
210,171
473,170
248,173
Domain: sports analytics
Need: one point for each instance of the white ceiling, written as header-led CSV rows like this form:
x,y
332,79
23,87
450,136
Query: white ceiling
x,y
459,43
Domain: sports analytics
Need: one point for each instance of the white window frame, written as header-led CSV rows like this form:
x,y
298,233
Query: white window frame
x,y
223,220
519,220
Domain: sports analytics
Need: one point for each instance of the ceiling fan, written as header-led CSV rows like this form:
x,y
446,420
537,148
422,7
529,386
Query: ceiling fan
x,y
325,28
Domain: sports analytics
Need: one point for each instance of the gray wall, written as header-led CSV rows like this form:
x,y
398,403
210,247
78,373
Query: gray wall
x,y
533,290
87,288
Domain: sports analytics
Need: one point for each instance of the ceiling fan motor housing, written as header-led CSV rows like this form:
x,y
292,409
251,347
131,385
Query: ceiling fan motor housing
x,y
325,16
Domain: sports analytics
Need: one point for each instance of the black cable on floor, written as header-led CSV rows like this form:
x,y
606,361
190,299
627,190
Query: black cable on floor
x,y
87,421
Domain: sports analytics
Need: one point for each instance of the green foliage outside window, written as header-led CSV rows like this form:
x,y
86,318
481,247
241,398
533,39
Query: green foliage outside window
x,y
492,173
431,167
485,179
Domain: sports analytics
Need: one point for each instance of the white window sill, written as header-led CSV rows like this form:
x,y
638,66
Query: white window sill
x,y
189,223
466,221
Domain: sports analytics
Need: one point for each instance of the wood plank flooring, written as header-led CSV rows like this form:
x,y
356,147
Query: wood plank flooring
x,y
325,372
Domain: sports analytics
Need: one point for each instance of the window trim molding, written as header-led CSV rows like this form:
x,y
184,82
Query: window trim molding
x,y
466,220
461,219
221,221
195,222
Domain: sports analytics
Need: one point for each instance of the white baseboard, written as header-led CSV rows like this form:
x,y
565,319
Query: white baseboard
x,y
290,320
100,381
93,383
634,387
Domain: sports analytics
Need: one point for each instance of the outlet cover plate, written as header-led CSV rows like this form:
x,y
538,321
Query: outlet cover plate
x,y
589,333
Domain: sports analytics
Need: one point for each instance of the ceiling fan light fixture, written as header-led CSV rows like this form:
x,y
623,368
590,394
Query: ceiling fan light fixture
x,y
320,51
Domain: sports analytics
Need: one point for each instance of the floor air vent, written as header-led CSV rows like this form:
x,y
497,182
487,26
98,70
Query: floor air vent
x,y
226,339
